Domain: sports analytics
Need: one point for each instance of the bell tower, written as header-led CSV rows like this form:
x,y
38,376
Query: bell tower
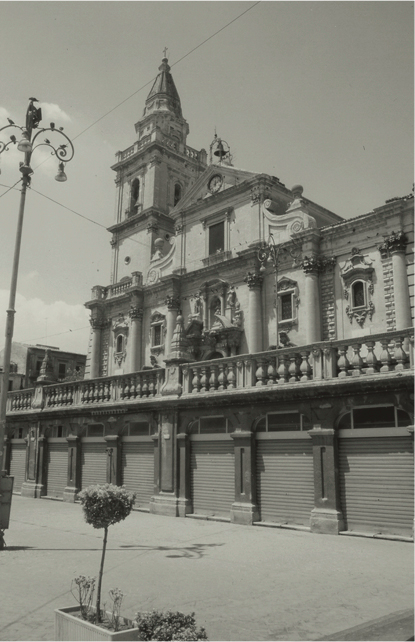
x,y
152,175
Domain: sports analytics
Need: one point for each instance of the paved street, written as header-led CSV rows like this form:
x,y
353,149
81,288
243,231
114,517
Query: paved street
x,y
244,583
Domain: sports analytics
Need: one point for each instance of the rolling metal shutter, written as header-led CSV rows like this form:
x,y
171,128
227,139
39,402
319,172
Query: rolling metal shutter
x,y
17,464
285,480
94,462
377,483
57,467
212,477
138,470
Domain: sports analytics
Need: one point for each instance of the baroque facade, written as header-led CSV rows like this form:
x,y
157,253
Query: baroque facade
x,y
251,357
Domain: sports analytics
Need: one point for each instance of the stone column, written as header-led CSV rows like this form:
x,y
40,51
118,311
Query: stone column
x,y
396,244
311,267
113,459
136,316
244,510
326,516
173,304
96,324
254,324
73,483
184,502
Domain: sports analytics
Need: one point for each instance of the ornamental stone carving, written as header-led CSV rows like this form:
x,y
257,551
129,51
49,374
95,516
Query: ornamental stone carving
x,y
253,280
98,322
135,312
172,302
395,242
317,264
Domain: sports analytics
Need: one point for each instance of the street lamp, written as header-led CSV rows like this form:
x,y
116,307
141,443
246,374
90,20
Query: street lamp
x,y
64,153
272,253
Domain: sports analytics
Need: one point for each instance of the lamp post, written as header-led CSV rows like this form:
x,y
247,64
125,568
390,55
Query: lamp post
x,y
272,253
64,153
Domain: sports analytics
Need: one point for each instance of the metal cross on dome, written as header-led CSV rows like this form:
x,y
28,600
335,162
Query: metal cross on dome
x,y
165,50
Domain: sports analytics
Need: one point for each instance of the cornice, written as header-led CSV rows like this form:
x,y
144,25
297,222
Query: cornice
x,y
134,221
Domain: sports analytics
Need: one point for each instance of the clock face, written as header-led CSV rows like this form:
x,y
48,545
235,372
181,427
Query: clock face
x,y
215,183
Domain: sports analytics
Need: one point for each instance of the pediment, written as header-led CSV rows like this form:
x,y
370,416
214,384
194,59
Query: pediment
x,y
229,177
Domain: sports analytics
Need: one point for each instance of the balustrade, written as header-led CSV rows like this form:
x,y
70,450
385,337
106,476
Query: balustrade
x,y
376,355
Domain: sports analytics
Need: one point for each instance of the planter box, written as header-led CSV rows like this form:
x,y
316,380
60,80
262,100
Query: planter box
x,y
70,627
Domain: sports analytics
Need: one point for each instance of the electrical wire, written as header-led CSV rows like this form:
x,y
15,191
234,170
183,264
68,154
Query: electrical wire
x,y
153,79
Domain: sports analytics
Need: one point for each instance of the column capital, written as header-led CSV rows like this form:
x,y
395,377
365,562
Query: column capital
x,y
253,280
317,264
394,243
98,322
172,302
135,312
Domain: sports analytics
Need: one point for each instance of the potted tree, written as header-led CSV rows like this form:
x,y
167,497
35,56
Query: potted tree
x,y
103,506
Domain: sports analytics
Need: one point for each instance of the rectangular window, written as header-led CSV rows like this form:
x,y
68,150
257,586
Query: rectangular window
x,y
62,371
284,421
217,238
286,307
380,417
95,430
210,425
38,366
139,428
156,335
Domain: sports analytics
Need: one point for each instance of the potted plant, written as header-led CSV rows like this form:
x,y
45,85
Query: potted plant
x,y
103,506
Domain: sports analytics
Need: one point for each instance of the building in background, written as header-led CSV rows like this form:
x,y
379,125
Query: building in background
x,y
26,363
250,358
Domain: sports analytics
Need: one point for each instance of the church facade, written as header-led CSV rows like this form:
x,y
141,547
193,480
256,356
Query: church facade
x,y
250,359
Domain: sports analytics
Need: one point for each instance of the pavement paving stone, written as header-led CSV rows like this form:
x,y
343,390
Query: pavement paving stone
x,y
243,582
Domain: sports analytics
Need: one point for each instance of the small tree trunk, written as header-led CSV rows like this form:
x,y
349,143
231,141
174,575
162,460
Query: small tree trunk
x,y
101,571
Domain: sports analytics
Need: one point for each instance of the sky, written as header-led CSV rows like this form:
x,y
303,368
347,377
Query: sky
x,y
316,93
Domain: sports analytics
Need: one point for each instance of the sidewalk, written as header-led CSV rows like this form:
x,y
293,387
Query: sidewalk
x,y
243,582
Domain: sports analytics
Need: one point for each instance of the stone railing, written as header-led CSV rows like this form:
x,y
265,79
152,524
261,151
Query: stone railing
x,y
138,385
133,149
191,153
118,288
20,399
361,357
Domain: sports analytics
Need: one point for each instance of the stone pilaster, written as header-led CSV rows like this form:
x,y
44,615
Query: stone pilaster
x,y
244,510
326,516
311,267
113,459
136,316
173,304
96,325
73,482
32,486
164,501
396,245
254,324
184,502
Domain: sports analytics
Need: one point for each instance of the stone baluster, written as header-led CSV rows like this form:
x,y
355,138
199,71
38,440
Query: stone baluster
x,y
196,379
385,356
357,361
213,379
204,379
400,355
343,362
222,378
282,371
271,371
293,368
305,368
231,376
371,360
144,386
261,372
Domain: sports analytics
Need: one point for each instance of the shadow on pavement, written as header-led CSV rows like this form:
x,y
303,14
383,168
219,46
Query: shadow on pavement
x,y
197,551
